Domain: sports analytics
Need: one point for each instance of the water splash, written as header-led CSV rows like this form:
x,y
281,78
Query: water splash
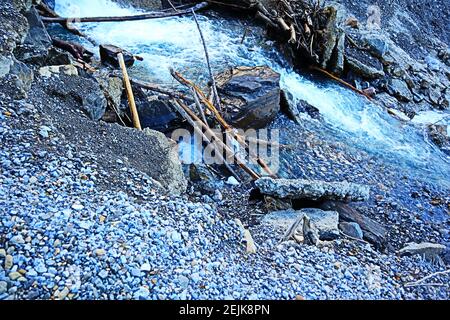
x,y
174,42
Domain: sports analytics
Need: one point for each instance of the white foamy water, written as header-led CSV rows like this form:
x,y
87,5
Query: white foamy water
x,y
175,42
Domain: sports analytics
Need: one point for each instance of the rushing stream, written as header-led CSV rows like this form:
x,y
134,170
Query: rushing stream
x,y
174,42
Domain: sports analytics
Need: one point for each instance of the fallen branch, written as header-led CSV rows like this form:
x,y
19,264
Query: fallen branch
x,y
221,120
421,281
348,85
195,122
132,103
144,16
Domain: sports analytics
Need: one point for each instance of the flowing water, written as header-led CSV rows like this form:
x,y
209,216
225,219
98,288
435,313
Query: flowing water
x,y
175,42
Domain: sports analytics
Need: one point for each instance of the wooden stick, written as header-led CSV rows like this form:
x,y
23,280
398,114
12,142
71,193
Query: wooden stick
x,y
132,103
421,281
341,81
144,16
195,121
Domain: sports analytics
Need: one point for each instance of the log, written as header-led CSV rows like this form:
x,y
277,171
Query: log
x,y
373,231
75,49
132,103
144,16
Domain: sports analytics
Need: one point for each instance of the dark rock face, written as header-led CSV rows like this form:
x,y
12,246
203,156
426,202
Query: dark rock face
x,y
85,92
251,96
294,110
155,113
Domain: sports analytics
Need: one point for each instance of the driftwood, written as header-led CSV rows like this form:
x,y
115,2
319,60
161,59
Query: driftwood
x,y
374,232
76,50
144,16
222,121
132,103
211,138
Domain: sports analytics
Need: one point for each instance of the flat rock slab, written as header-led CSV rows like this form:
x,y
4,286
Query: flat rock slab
x,y
312,190
426,249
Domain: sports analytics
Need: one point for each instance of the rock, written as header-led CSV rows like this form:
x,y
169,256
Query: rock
x,y
146,267
17,240
50,71
142,293
143,4
294,110
250,96
3,287
44,131
24,77
112,89
352,22
323,223
336,64
176,236
156,113
399,89
426,249
362,69
232,181
439,134
351,229
169,171
37,42
373,231
398,114
99,252
378,45
330,38
8,262
282,219
204,179
77,206
312,190
5,65
108,55
14,276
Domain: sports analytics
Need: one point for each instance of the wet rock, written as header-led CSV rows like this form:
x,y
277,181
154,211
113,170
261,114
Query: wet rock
x,y
142,4
108,55
399,89
351,229
398,114
426,249
294,109
312,190
439,134
336,64
250,95
113,89
156,113
170,173
23,78
330,39
363,70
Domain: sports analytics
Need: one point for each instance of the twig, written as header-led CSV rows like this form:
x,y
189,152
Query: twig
x,y
421,281
205,48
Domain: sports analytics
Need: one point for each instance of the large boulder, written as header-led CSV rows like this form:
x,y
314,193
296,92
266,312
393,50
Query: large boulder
x,y
250,96
170,173
312,190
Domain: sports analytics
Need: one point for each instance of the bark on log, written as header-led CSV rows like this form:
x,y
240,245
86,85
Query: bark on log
x,y
373,231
